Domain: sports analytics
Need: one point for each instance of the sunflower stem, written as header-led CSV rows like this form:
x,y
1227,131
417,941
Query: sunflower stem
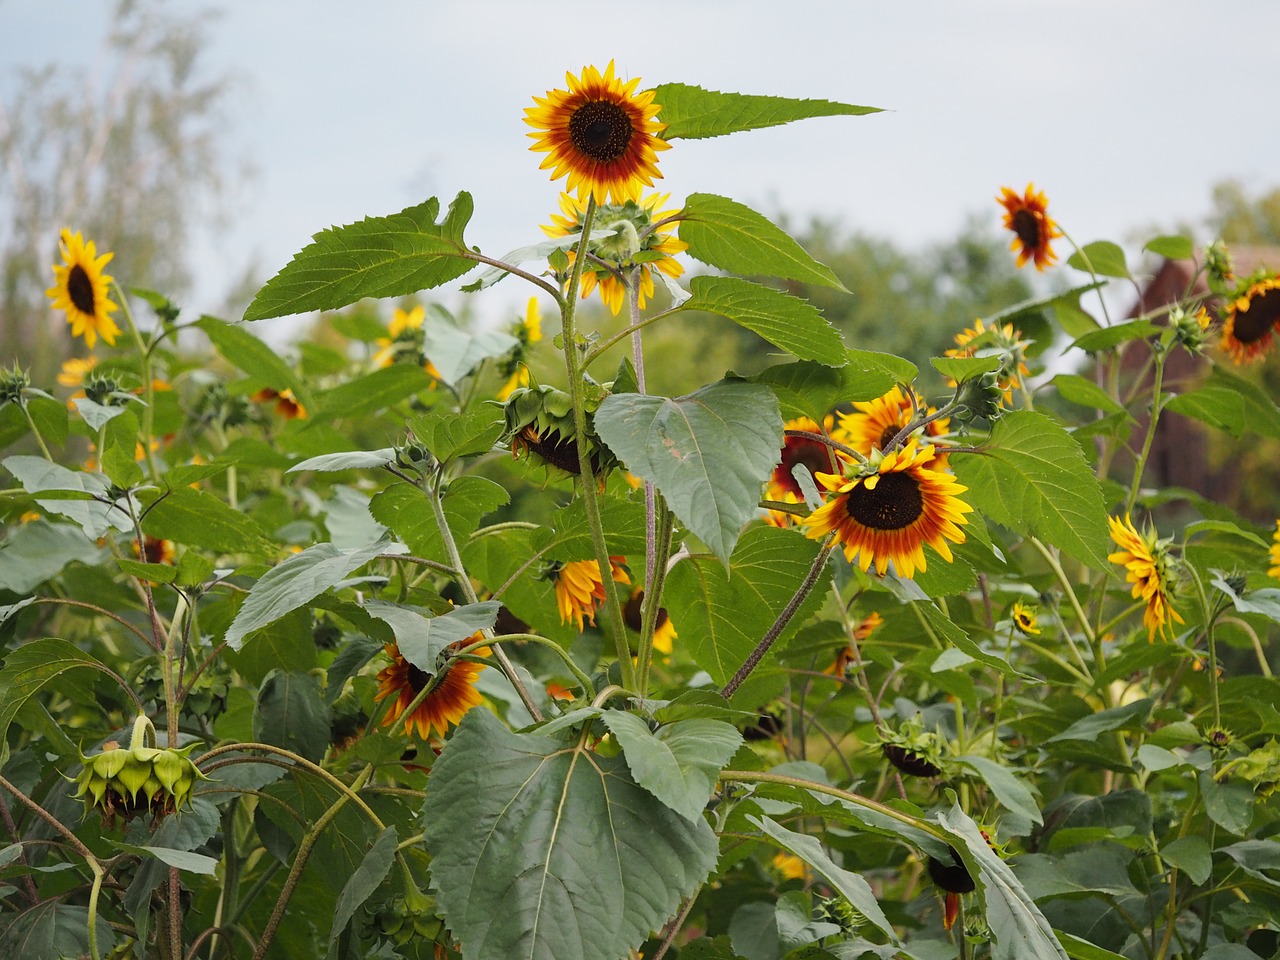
x,y
1157,403
614,625
653,587
22,404
148,386
780,624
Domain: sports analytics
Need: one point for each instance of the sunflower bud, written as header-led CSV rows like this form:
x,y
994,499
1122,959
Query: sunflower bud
x,y
912,749
12,382
1191,330
414,455
401,921
1217,267
978,398
141,778
105,390
539,423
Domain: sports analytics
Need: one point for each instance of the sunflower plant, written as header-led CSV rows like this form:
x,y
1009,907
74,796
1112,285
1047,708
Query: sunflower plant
x,y
431,639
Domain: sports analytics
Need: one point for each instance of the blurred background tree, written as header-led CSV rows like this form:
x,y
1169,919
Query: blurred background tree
x,y
128,153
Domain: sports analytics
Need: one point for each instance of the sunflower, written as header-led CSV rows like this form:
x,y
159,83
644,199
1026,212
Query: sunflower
x,y
664,630
527,332
874,423
154,550
1028,217
845,657
890,508
287,404
445,705
1275,554
1149,565
80,288
75,370
1250,324
580,591
1025,619
405,340
630,236
601,133
1004,341
796,451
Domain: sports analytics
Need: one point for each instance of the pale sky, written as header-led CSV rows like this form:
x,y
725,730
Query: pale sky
x,y
1124,111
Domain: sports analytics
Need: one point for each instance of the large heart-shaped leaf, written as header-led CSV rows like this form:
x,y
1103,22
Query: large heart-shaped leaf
x,y
707,453
785,321
544,850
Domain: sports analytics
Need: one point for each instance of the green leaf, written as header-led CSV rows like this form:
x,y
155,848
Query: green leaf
x,y
1229,805
408,514
733,237
1019,928
1104,338
26,671
958,638
374,391
692,113
378,257
1191,855
154,572
190,473
182,859
1265,601
1078,949
291,712
1262,415
583,862
849,885
96,415
38,475
35,552
723,613
1033,478
785,321
52,930
708,453
421,639
1009,790
570,537
295,582
965,368
808,389
254,357
369,875
455,349
1171,247
1085,393
50,418
200,519
1131,716
352,460
679,762
1224,526
1102,257
450,436
1219,407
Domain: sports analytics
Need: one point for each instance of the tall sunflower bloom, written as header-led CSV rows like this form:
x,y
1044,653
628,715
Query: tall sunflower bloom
x,y
405,341
1028,217
889,509
580,591
599,132
444,706
631,236
1275,554
80,288
1004,341
813,455
1252,320
1148,566
874,423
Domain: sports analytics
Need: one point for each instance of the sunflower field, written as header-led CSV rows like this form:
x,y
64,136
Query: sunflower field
x,y
387,647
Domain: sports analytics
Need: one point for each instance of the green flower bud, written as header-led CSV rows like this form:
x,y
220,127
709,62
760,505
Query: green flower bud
x,y
12,382
978,398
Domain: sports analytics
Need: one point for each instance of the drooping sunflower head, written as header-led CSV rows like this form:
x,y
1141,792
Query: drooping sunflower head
x,y
1275,554
1025,618
632,241
887,509
600,133
444,706
1027,215
812,455
1252,318
80,288
874,423
664,630
1149,566
539,426
998,340
580,589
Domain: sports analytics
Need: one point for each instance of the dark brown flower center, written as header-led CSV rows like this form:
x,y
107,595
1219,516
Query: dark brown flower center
x,y
1263,312
631,613
417,678
894,504
80,289
891,431
1027,226
601,130
810,454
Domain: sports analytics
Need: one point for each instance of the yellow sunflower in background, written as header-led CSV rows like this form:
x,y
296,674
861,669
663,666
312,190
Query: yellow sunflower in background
x,y
664,630
874,423
812,454
405,340
580,591
1028,217
599,132
527,332
1250,324
443,706
75,370
80,288
845,657
1025,619
1275,554
1004,341
287,404
1148,566
891,513
628,222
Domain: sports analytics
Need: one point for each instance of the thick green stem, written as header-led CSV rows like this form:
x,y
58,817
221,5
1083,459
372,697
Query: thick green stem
x,y
148,386
35,431
653,587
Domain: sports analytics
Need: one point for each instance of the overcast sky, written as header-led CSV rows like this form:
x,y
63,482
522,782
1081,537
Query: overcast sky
x,y
1124,111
